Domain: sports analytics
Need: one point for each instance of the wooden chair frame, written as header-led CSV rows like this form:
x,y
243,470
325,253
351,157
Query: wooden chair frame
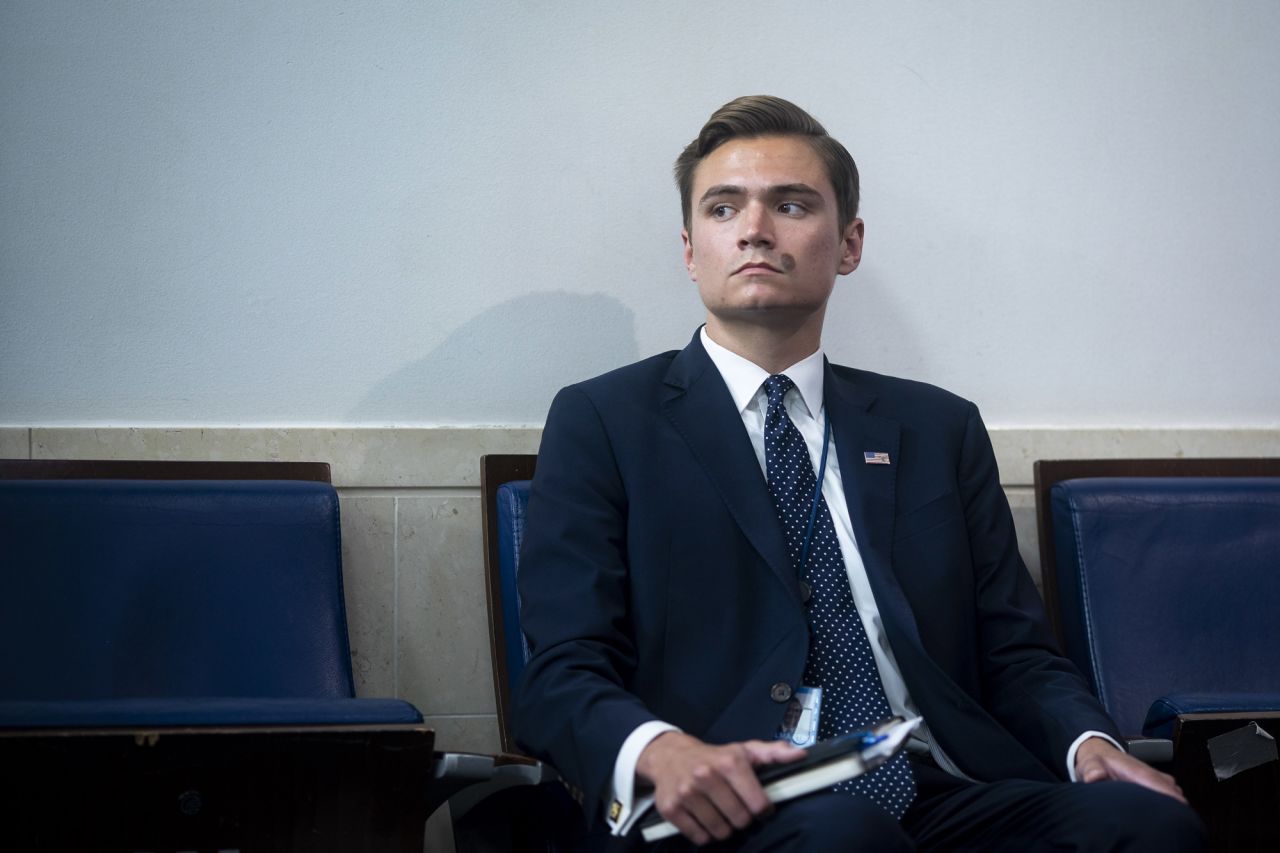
x,y
137,469
496,469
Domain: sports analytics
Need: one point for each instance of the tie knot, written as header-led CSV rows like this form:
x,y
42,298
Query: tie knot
x,y
776,387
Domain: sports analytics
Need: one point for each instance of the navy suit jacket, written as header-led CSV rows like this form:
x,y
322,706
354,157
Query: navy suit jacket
x,y
655,583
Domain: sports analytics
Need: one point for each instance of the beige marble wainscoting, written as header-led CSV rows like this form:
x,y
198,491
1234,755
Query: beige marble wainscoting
x,y
15,443
412,542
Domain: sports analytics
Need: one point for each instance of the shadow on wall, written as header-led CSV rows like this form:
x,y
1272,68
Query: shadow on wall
x,y
504,365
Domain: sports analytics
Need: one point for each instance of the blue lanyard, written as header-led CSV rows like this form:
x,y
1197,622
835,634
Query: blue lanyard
x,y
817,493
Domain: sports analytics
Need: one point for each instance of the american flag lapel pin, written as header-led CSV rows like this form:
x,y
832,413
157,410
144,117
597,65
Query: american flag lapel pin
x,y
875,458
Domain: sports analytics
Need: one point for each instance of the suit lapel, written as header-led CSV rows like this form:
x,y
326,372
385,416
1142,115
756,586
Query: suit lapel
x,y
698,404
870,491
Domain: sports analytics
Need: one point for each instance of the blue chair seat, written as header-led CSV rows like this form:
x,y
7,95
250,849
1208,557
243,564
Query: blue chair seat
x,y
1165,711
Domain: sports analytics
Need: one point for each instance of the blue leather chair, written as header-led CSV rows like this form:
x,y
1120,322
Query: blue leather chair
x,y
541,813
172,602
504,486
169,604
1164,577
1167,587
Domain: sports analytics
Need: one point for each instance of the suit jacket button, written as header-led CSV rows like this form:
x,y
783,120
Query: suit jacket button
x,y
805,593
780,692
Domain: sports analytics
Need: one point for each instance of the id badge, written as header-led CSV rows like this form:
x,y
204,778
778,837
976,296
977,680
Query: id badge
x,y
800,720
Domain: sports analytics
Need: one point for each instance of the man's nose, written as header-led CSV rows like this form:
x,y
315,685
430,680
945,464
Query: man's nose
x,y
757,227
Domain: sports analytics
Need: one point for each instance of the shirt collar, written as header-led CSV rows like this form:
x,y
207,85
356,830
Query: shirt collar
x,y
744,377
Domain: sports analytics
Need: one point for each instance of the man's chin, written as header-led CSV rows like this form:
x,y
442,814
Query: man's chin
x,y
768,312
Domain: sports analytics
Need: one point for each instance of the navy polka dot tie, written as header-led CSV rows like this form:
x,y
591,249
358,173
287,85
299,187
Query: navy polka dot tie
x,y
840,659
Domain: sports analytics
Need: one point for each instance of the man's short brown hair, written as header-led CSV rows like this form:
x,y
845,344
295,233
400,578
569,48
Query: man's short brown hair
x,y
752,116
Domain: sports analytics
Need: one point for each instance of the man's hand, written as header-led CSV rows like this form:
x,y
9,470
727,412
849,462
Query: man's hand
x,y
709,791
1098,759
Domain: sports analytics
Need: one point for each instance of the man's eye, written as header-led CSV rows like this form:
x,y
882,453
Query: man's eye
x,y
721,211
791,208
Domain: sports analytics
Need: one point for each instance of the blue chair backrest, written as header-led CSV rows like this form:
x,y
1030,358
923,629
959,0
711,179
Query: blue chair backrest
x,y
113,589
1169,585
512,499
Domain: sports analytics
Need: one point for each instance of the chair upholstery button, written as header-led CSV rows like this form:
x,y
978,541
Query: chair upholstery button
x,y
780,692
805,593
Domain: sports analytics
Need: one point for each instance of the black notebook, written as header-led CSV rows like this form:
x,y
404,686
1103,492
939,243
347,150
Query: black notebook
x,y
826,763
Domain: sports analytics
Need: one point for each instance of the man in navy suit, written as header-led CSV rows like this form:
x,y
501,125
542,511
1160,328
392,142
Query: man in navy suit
x,y
671,625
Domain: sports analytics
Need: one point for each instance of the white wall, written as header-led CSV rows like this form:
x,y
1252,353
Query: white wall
x,y
437,213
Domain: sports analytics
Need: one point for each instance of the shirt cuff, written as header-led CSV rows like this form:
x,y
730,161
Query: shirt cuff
x,y
624,806
1075,747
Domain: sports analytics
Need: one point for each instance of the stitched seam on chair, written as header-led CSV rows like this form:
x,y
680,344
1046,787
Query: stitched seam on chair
x,y
1183,708
1086,603
516,509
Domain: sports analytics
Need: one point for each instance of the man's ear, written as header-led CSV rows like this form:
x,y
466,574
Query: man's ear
x,y
688,255
851,248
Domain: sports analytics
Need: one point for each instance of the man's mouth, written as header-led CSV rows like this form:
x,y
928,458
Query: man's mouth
x,y
756,266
